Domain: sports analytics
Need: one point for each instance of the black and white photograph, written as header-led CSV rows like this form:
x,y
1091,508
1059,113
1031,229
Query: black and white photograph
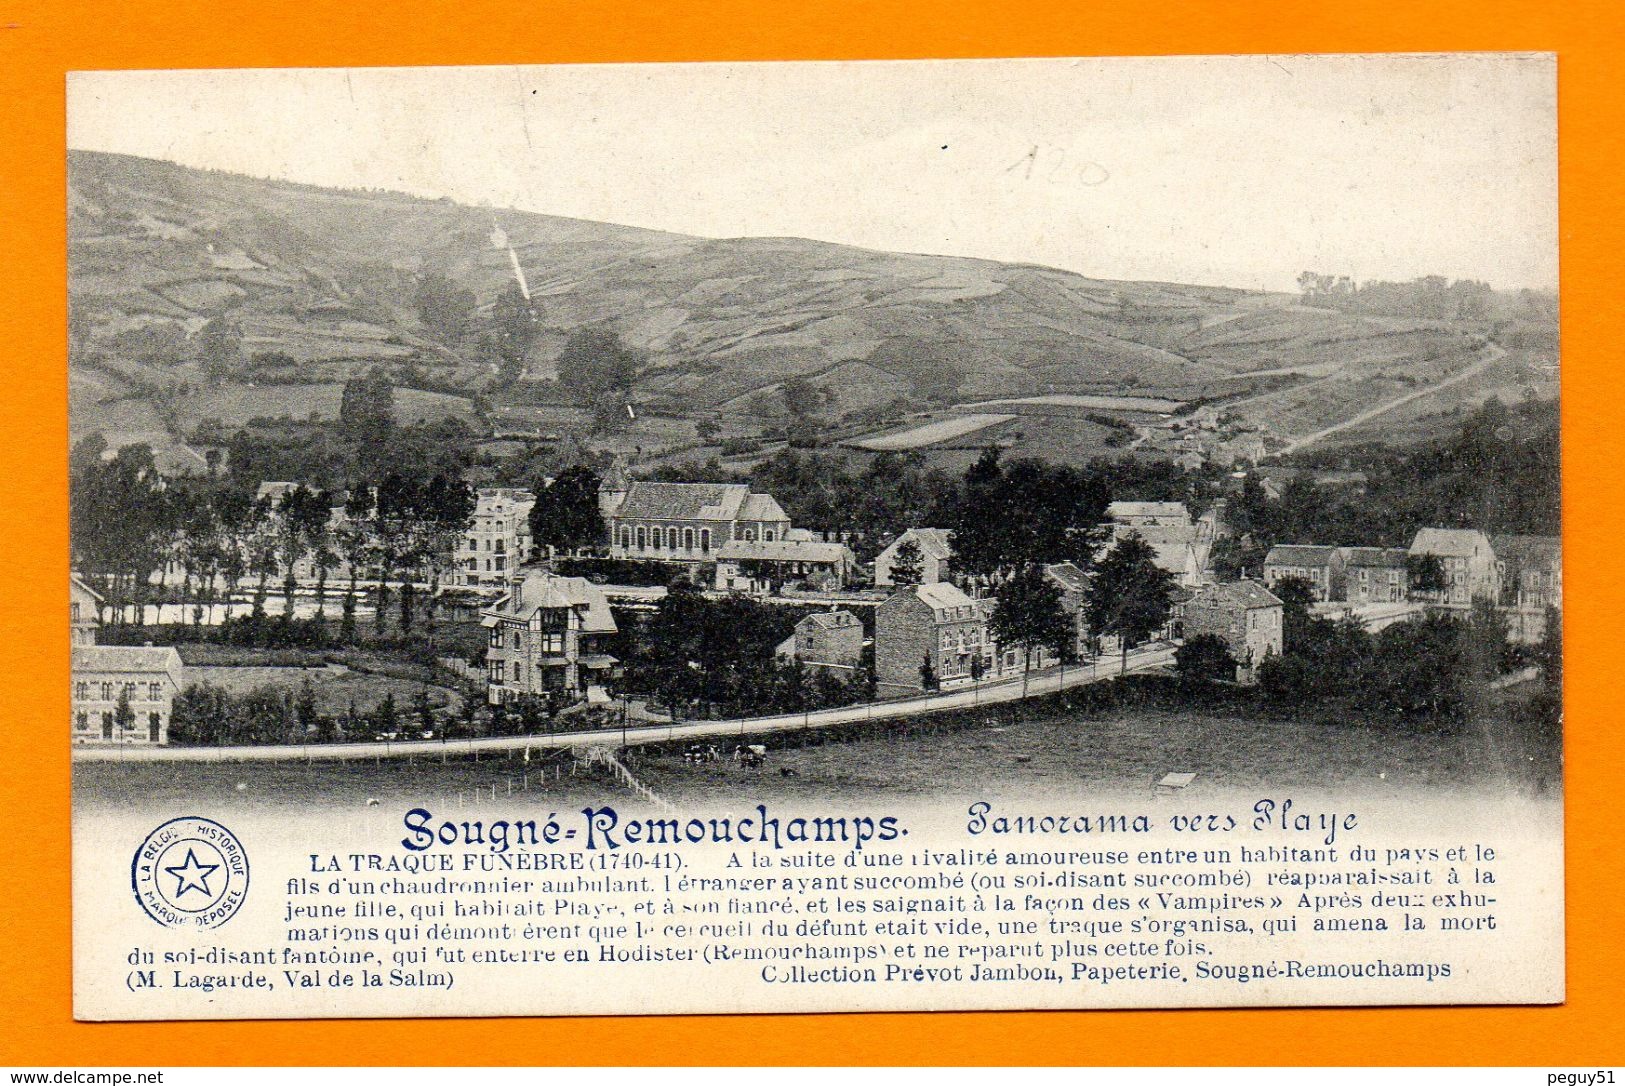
x,y
683,538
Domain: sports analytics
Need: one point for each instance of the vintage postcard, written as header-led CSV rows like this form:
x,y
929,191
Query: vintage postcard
x,y
781,537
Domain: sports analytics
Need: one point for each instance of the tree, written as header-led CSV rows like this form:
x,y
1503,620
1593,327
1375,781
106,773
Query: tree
x,y
1205,658
1027,613
367,409
1426,574
513,330
928,674
907,565
123,714
566,516
1297,598
304,709
1129,595
219,348
598,370
445,309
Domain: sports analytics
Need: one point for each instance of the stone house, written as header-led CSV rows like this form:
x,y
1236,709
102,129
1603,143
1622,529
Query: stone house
x,y
1176,548
936,555
145,678
686,522
1375,574
939,623
1530,571
1323,567
1469,565
498,540
1243,613
829,640
759,566
547,636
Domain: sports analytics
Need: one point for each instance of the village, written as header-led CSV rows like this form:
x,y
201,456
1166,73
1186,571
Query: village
x,y
705,599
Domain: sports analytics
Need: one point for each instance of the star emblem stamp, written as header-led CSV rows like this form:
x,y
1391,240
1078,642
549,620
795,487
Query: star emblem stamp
x,y
190,872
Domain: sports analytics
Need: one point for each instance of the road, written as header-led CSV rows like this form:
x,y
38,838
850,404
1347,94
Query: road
x,y
1041,682
1492,353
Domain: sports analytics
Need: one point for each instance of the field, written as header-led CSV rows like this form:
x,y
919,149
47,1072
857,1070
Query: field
x,y
336,686
930,433
1122,750
1115,752
1096,403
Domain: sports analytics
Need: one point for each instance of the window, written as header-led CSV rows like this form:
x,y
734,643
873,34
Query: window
x,y
750,535
501,564
107,691
518,672
155,692
129,691
82,721
688,539
767,535
494,671
496,637
73,612
81,691
626,539
705,541
517,643
641,538
551,644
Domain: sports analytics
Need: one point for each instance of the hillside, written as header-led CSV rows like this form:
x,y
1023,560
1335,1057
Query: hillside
x,y
326,277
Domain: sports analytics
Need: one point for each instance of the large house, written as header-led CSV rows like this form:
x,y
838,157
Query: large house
x,y
936,629
828,641
1243,613
936,549
1467,561
686,522
124,693
1530,570
547,636
1375,574
498,539
121,694
1325,568
762,566
1176,548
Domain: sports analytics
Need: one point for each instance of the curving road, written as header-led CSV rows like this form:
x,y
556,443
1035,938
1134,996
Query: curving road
x,y
1492,353
1041,682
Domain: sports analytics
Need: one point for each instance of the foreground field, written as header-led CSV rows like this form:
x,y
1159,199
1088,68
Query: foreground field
x,y
1123,750
1115,752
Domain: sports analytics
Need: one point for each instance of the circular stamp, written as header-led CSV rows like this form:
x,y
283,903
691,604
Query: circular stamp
x,y
190,872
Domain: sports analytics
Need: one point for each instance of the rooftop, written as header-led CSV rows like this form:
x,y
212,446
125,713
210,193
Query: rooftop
x,y
784,550
1244,594
1451,542
130,659
548,591
684,501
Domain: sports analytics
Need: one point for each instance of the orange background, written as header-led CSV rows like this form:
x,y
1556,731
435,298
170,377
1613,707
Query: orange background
x,y
39,42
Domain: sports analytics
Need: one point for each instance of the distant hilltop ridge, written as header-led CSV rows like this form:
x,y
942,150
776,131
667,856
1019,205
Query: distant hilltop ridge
x,y
330,280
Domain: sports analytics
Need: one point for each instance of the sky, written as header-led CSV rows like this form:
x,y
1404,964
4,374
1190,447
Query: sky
x,y
1236,171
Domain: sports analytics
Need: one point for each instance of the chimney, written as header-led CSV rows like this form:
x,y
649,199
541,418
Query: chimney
x,y
516,590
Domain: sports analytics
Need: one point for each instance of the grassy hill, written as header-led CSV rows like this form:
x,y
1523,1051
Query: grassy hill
x,y
326,277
